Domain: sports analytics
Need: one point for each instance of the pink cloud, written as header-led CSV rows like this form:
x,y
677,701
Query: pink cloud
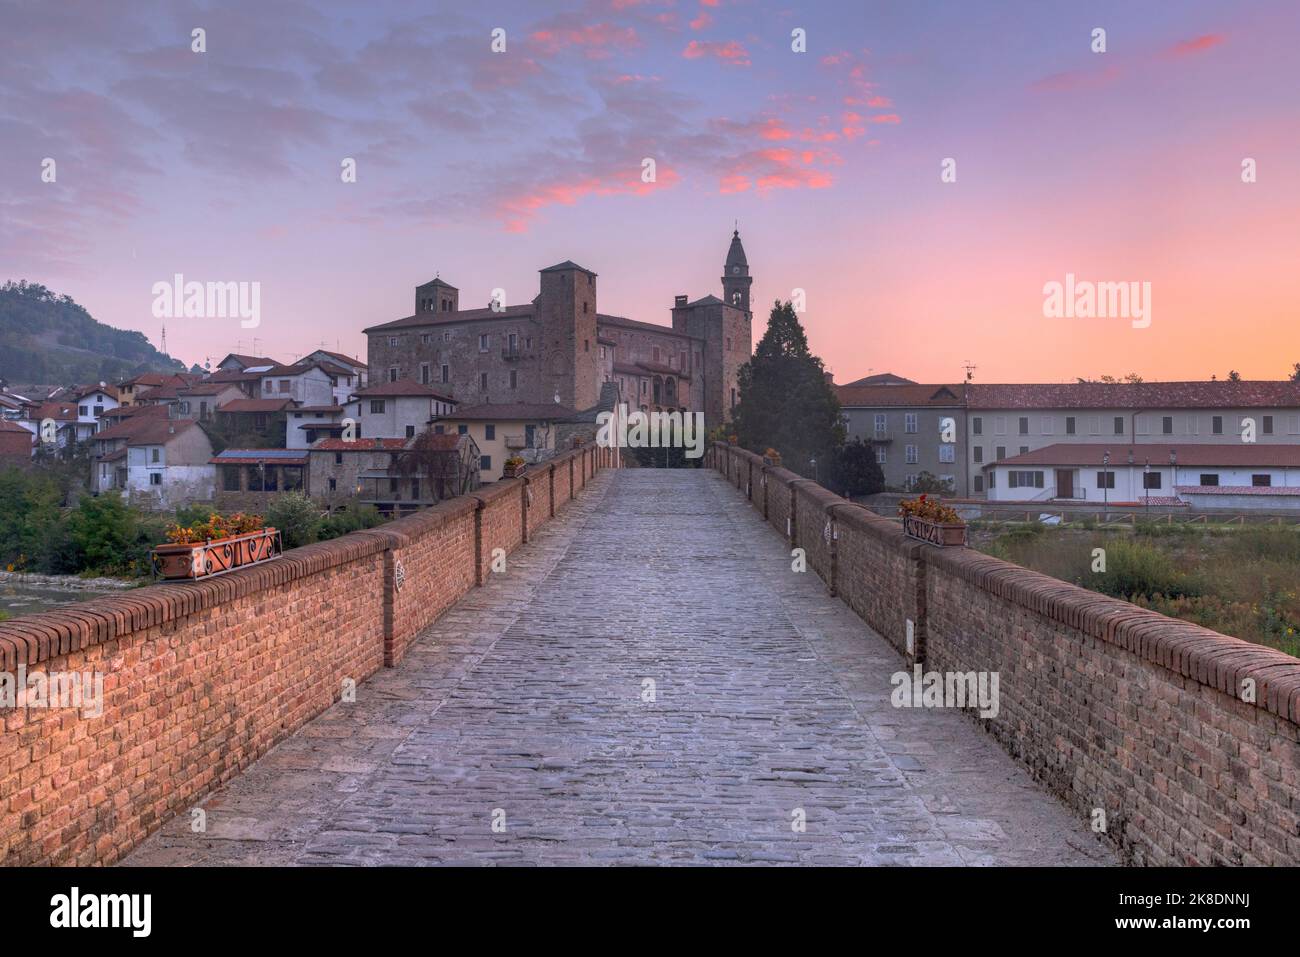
x,y
731,52
705,19
596,39
1196,45
778,168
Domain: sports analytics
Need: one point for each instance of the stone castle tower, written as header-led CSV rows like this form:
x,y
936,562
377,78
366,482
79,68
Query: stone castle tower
x,y
566,314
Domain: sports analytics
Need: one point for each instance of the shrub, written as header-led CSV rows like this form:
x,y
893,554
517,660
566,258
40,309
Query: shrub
x,y
348,520
1135,568
296,516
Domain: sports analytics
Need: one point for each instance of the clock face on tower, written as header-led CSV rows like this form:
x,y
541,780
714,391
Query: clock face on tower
x,y
735,270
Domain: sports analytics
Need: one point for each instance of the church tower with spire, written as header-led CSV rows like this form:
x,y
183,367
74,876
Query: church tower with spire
x,y
735,275
722,330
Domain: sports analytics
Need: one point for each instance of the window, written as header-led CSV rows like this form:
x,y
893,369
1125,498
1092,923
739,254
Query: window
x,y
1000,425
1150,480
1119,425
410,431
655,352
1069,425
977,426
376,406
155,478
1167,425
338,458
426,339
947,453
462,429
490,431
1261,481
514,379
1024,425
979,483
880,423
483,381
485,462
1024,450
334,485
993,479
392,374
1020,479
910,457
392,340
425,375
483,342
1216,425
880,455
586,343
1140,426
83,410
446,373
254,478
230,478
1209,479
155,455
1105,480
1001,453
978,454
1268,423
909,422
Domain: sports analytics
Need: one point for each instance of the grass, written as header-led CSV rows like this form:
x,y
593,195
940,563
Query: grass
x,y
1241,581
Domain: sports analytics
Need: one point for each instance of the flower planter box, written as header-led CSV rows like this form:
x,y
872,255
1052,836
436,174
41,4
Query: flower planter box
x,y
942,534
512,471
215,556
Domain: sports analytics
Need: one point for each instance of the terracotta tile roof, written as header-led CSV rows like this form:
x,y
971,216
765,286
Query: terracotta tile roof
x,y
341,357
80,392
1227,455
255,405
643,326
401,388
445,318
1137,395
206,387
146,430
514,411
145,378
223,376
247,361
259,456
58,411
883,378
360,445
7,425
881,396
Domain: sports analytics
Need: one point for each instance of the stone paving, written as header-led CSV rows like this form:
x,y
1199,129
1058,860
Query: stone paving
x,y
525,709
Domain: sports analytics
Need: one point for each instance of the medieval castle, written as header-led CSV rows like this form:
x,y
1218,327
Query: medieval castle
x,y
559,349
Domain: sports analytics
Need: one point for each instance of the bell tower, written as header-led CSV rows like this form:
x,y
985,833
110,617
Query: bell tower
x,y
735,275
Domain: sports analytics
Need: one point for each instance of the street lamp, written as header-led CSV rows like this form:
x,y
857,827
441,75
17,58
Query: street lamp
x,y
1146,486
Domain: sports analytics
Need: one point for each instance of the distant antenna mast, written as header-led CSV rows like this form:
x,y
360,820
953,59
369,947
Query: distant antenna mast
x,y
164,339
970,370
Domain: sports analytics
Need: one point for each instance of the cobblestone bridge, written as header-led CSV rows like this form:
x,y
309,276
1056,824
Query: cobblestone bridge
x,y
518,731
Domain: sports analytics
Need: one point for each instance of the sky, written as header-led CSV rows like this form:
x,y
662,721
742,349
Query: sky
x,y
482,167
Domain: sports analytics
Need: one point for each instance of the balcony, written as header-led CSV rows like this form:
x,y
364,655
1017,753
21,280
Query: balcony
x,y
510,353
516,442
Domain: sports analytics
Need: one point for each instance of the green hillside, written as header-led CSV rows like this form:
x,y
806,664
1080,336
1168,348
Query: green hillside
x,y
49,339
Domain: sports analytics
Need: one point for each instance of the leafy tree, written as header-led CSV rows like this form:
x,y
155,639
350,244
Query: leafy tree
x,y
105,531
1295,372
296,516
1234,376
856,470
785,400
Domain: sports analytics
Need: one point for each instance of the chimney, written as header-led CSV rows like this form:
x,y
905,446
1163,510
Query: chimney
x,y
679,301
830,376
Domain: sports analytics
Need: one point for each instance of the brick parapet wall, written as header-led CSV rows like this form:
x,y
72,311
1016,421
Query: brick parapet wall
x,y
1111,706
202,678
